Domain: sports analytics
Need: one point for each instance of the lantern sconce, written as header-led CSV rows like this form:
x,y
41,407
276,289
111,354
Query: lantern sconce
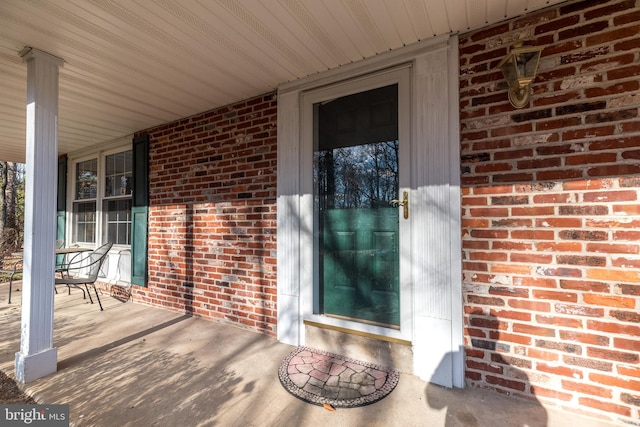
x,y
519,69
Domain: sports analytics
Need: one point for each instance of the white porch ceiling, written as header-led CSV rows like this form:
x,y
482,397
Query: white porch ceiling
x,y
134,64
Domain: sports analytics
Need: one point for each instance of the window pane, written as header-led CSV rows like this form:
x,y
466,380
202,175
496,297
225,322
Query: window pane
x,y
117,223
118,174
84,222
87,179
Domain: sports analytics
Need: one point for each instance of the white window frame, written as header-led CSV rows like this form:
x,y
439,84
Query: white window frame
x,y
118,146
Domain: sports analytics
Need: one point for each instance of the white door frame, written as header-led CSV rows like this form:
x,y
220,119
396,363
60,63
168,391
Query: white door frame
x,y
435,318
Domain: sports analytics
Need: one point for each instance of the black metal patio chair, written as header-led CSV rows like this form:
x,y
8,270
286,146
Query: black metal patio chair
x,y
83,269
16,268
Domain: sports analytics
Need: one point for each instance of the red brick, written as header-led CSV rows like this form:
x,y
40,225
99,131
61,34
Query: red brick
x,y
475,223
626,344
589,133
560,272
610,196
613,275
474,201
473,332
549,393
588,363
510,314
564,347
530,305
587,389
618,356
475,244
483,322
489,234
533,330
560,222
627,235
552,198
533,235
511,245
511,361
631,399
484,367
614,328
616,89
512,177
477,299
505,382
475,266
474,376
583,235
581,260
532,211
556,296
609,301
605,406
581,285
509,291
628,289
585,338
616,169
578,310
536,353
559,246
537,282
559,370
531,258
510,268
494,189
568,322
488,256
629,371
609,248
489,212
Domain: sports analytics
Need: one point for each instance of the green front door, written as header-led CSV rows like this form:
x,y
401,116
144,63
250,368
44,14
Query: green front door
x,y
356,178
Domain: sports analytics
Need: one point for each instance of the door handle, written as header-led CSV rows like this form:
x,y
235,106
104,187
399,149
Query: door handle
x,y
404,203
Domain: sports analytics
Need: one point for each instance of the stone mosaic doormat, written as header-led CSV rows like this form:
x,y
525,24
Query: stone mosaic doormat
x,y
324,378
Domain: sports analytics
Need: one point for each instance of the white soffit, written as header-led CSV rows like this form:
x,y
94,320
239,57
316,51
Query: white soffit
x,y
134,64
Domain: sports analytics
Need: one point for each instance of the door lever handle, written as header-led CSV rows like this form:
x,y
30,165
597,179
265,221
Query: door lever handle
x,y
404,203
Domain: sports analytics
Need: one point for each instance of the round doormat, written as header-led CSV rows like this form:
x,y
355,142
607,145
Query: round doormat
x,y
322,378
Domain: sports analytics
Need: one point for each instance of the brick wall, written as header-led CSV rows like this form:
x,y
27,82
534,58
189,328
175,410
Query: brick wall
x,y
212,216
551,210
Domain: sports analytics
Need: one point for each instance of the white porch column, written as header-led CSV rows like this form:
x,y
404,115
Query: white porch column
x,y
37,357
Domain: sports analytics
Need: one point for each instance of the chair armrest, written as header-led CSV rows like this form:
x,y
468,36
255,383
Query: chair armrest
x,y
16,267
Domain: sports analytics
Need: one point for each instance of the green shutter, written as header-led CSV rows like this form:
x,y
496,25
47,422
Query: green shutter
x,y
140,210
61,210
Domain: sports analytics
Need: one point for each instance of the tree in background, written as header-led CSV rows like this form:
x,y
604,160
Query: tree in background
x,y
12,202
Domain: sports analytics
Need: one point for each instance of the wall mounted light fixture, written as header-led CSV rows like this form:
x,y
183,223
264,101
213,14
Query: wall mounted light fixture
x,y
519,68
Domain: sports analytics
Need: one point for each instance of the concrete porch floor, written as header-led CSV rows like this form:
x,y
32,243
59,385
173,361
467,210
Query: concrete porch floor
x,y
134,365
